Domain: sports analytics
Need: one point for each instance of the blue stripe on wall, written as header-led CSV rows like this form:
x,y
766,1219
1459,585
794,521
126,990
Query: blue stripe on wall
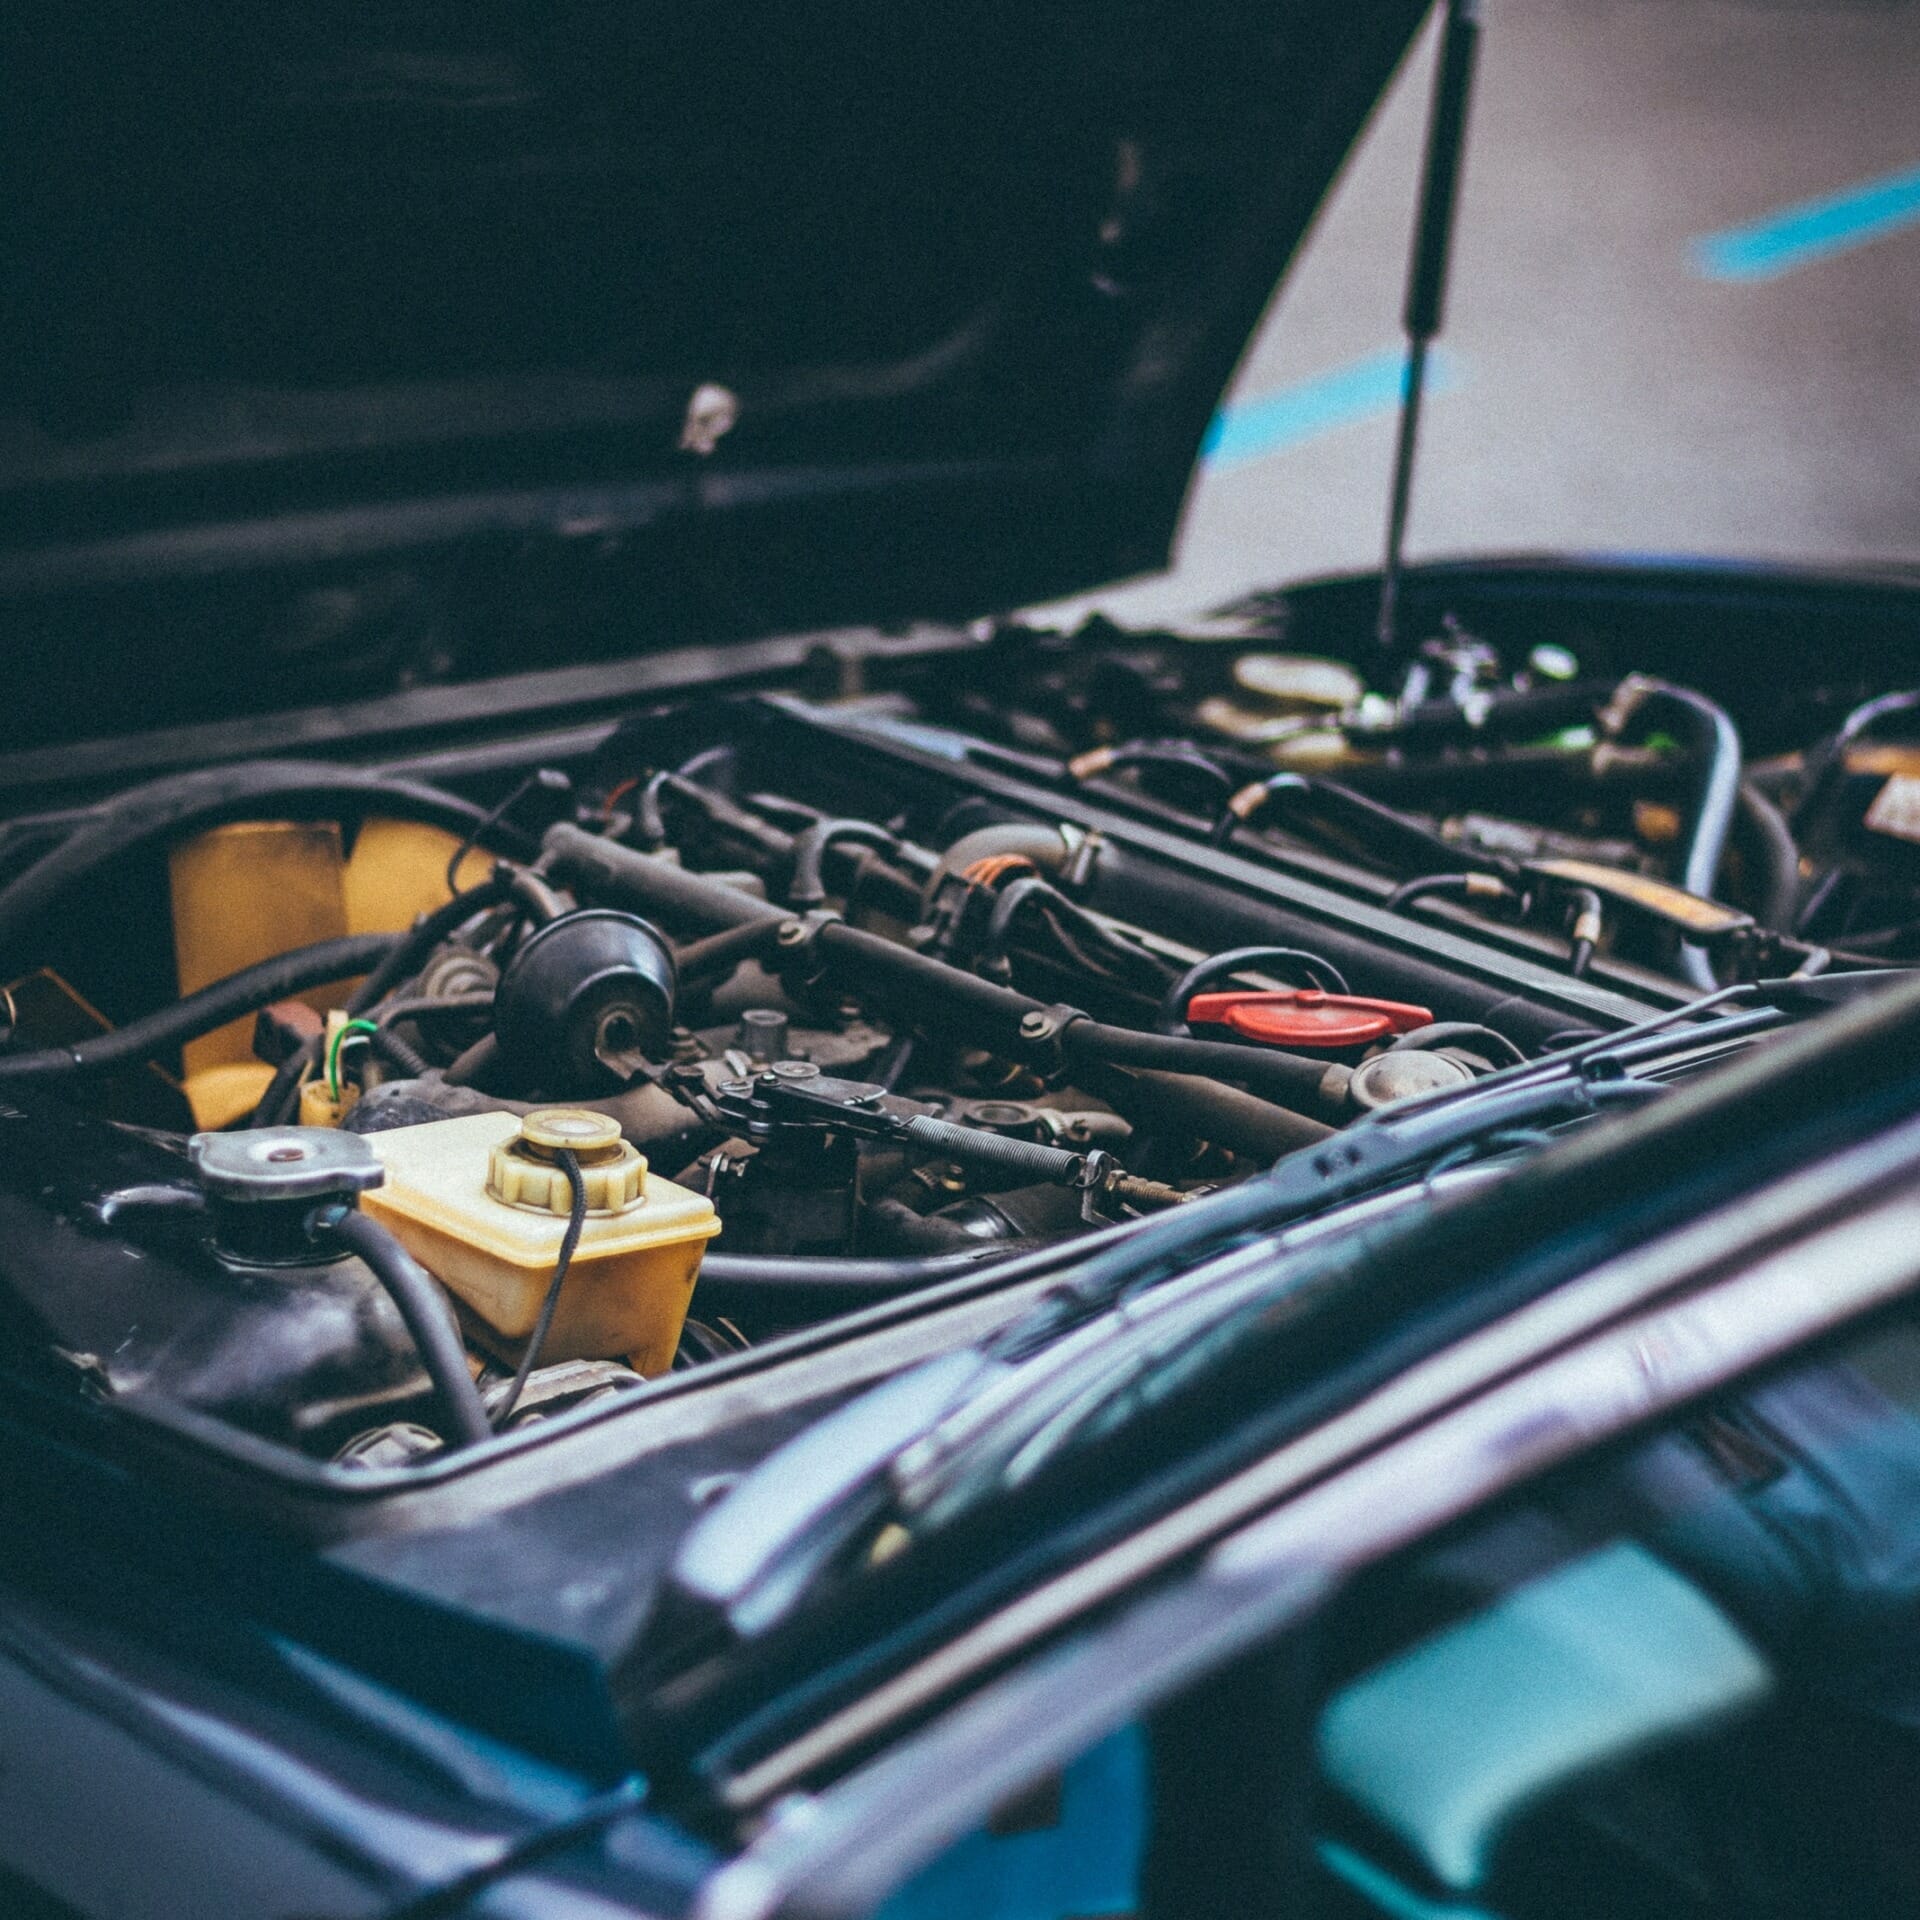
x,y
1814,230
1272,422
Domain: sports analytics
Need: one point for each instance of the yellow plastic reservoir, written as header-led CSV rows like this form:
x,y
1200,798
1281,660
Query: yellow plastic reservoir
x,y
482,1204
247,891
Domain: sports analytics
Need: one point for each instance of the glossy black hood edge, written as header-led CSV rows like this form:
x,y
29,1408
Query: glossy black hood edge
x,y
316,299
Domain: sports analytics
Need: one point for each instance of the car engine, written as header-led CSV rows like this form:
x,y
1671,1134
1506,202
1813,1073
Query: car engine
x,y
931,956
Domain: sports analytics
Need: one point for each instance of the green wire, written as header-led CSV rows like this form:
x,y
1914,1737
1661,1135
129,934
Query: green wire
x,y
355,1028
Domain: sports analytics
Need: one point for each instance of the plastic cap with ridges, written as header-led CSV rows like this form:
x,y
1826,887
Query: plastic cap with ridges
x,y
580,1128
521,1173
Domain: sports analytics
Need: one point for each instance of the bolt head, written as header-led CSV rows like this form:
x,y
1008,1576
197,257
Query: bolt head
x,y
1033,1025
791,933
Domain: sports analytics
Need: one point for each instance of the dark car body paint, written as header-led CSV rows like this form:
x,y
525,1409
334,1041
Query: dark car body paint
x,y
360,347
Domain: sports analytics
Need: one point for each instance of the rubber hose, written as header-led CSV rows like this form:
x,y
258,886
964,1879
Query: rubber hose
x,y
536,900
1467,1033
1180,1102
924,985
1720,791
428,1316
808,887
720,953
1827,759
1779,892
1587,928
771,841
962,1003
1717,741
1409,892
391,1048
1007,905
474,1063
1288,1078
621,875
230,999
788,1285
1030,1162
1118,1253
1356,826
1045,847
418,942
1172,754
163,810
277,1103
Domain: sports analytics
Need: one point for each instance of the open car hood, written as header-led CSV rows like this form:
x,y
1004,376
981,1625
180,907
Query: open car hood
x,y
737,319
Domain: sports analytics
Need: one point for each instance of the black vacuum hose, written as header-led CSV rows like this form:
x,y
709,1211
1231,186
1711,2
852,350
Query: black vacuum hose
x,y
164,810
1289,1079
1191,1105
412,949
1778,889
1716,746
957,1003
425,1310
230,999
812,1284
409,953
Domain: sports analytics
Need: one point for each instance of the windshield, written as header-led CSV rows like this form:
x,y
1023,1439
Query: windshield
x,y
1673,1680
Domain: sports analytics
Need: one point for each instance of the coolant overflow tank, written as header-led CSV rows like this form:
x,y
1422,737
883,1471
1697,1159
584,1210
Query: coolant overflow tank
x,y
482,1203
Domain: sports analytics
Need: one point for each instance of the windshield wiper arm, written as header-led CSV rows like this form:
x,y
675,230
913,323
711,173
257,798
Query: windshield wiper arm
x,y
755,1554
751,1555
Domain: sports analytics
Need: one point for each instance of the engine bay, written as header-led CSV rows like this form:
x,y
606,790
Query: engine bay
x,y
646,1042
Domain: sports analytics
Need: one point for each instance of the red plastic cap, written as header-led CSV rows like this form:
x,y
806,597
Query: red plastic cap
x,y
1305,1017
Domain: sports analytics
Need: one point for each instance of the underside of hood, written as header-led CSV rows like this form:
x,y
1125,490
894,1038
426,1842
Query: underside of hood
x,y
753,316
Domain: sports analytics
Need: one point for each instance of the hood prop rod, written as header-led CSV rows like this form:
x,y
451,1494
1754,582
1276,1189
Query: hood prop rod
x,y
1427,278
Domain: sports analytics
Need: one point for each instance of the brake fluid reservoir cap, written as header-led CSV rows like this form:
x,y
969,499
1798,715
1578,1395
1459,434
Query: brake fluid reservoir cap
x,y
549,1129
524,1172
